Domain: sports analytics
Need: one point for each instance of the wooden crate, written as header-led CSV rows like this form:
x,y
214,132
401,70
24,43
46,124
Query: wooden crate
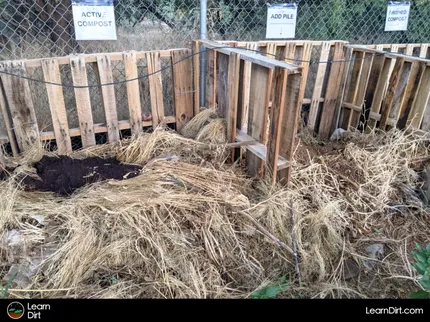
x,y
18,109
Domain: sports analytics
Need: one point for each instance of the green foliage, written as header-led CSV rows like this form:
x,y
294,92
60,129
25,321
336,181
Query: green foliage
x,y
9,282
422,265
271,291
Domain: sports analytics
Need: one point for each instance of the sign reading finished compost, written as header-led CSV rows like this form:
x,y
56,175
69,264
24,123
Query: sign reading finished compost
x,y
94,20
281,21
397,16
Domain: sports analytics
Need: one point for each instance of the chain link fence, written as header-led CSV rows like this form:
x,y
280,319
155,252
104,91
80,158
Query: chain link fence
x,y
44,28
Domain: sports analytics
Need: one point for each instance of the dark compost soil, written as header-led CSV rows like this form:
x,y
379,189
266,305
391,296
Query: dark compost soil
x,y
64,175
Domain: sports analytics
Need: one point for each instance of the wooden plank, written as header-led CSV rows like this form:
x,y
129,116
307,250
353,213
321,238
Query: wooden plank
x,y
332,92
424,50
51,73
276,118
8,122
196,69
108,93
290,123
246,90
411,90
83,102
233,96
380,91
258,149
319,82
409,49
155,88
344,79
221,84
92,58
18,97
182,87
420,111
375,74
133,93
261,82
400,93
102,128
362,87
391,92
253,57
211,78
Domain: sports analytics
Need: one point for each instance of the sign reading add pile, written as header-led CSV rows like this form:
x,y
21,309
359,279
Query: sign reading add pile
x,y
281,21
397,16
94,19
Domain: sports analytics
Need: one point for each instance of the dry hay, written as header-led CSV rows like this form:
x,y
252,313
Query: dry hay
x,y
186,227
192,128
215,132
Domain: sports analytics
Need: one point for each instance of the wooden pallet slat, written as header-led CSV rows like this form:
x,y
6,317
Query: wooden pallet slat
x,y
261,82
18,97
196,69
155,88
183,90
211,79
246,90
221,83
391,92
420,111
83,102
379,91
104,66
424,50
319,82
276,116
332,91
233,96
8,122
51,73
133,93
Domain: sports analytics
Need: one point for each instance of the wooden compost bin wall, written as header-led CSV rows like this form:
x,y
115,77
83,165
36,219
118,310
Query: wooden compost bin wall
x,y
261,99
385,89
347,93
17,100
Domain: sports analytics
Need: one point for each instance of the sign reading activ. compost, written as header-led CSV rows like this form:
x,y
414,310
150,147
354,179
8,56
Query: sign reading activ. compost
x,y
94,19
397,15
281,21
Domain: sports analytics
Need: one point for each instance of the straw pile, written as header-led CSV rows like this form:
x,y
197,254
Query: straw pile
x,y
192,226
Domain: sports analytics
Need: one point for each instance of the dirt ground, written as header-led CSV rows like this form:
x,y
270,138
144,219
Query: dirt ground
x,y
63,174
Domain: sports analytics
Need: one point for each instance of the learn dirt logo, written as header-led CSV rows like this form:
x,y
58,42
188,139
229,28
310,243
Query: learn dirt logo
x,y
15,310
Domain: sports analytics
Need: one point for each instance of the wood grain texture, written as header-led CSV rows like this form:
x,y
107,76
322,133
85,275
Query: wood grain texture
x,y
133,93
196,69
8,122
211,78
289,123
18,97
155,88
276,116
108,92
379,94
261,82
221,84
182,87
332,92
83,102
246,90
233,95
318,87
391,92
420,111
424,48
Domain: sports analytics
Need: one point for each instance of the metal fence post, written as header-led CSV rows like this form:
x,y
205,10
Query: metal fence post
x,y
203,29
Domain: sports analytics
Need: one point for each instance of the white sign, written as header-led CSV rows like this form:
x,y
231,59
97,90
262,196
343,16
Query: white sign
x,y
94,19
397,16
281,21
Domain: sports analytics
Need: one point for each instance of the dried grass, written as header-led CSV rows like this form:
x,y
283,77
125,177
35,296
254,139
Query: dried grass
x,y
177,230
193,127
